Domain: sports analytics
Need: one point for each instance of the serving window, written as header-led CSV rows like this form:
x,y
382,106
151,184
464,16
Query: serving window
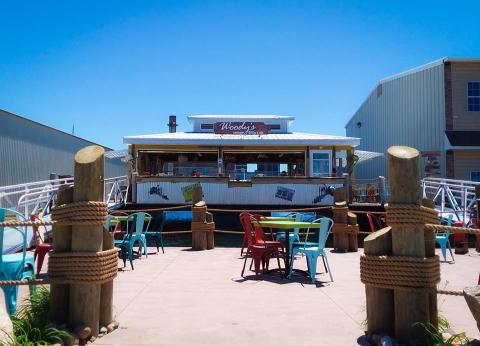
x,y
245,165
151,163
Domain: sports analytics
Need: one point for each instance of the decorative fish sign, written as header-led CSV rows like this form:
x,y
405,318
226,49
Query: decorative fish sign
x,y
324,191
157,190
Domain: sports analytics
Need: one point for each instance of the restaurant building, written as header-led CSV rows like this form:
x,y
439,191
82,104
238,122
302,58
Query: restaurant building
x,y
238,160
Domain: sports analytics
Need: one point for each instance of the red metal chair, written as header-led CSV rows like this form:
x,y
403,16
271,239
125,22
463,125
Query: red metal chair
x,y
374,222
41,248
259,249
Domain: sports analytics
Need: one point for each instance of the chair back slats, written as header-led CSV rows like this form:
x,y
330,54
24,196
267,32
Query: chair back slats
x,y
4,213
245,220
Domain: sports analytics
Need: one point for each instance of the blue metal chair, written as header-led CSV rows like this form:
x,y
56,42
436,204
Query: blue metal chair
x,y
156,233
14,266
442,239
312,250
135,235
294,237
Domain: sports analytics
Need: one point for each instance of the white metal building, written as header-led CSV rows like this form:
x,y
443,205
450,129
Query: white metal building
x,y
434,108
30,151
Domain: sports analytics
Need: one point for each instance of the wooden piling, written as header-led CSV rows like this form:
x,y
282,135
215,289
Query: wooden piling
x,y
410,306
62,242
106,293
84,300
380,303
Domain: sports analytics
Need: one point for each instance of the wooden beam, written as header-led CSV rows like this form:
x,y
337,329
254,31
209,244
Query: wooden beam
x,y
380,306
84,302
410,307
62,242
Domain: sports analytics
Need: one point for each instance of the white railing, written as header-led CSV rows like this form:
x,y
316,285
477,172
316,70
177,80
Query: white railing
x,y
449,195
29,197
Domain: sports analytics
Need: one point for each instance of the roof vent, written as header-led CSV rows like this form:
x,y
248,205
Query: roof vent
x,y
172,123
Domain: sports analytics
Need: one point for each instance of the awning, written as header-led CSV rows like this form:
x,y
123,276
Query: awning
x,y
462,140
117,154
366,155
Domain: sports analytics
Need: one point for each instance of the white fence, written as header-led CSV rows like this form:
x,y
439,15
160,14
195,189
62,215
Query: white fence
x,y
29,197
452,196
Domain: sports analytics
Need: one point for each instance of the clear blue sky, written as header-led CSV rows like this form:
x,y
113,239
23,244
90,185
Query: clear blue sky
x,y
119,68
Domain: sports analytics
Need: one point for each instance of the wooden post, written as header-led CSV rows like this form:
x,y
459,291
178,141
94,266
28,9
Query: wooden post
x,y
410,306
352,237
340,219
382,193
346,187
84,306
106,293
430,252
380,308
62,242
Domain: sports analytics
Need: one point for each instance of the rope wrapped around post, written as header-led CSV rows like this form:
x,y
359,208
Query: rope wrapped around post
x,y
403,272
82,267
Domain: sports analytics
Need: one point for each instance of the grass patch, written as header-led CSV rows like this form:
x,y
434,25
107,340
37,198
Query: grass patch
x,y
31,324
434,337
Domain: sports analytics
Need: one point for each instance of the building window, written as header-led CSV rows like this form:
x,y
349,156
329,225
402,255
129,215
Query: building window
x,y
206,126
473,96
475,175
274,127
320,163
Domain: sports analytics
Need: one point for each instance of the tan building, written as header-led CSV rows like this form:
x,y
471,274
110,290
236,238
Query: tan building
x,y
434,108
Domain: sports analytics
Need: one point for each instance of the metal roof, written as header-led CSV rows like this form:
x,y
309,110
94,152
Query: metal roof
x,y
414,70
196,138
239,117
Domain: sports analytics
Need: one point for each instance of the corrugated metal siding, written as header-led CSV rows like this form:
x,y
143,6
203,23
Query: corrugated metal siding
x,y
409,111
222,194
30,152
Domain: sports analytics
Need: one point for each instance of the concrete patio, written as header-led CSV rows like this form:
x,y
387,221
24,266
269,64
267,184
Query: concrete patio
x,y
185,297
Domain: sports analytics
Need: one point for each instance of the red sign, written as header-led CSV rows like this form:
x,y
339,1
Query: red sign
x,y
240,128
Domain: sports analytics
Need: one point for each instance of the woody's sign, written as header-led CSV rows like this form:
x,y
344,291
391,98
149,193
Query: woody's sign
x,y
240,128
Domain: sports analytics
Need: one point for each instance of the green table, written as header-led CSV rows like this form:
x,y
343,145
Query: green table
x,y
277,218
287,226
122,218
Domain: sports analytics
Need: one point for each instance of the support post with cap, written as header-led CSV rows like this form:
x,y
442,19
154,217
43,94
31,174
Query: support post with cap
x,y
411,307
84,300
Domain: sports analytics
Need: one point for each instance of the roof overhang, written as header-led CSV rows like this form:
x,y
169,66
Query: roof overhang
x,y
366,155
462,140
288,139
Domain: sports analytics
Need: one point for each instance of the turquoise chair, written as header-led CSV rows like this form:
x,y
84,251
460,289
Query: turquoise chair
x,y
156,233
15,266
135,235
442,239
294,238
312,250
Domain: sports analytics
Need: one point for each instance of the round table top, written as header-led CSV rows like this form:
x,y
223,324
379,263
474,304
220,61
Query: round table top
x,y
286,224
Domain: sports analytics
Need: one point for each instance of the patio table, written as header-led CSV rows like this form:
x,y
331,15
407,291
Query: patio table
x,y
287,226
277,218
122,218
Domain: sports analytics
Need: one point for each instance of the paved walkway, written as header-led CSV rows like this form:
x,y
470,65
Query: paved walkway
x,y
186,297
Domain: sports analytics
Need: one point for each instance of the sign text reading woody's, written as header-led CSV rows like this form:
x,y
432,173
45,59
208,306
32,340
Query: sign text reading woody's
x,y
240,128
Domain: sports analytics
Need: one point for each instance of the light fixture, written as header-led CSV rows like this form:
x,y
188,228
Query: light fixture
x,y
359,124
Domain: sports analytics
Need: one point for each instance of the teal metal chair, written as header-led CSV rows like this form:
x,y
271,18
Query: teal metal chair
x,y
442,238
294,236
156,232
14,266
312,250
135,234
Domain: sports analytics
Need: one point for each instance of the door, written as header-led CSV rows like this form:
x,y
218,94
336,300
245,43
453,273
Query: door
x,y
320,163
